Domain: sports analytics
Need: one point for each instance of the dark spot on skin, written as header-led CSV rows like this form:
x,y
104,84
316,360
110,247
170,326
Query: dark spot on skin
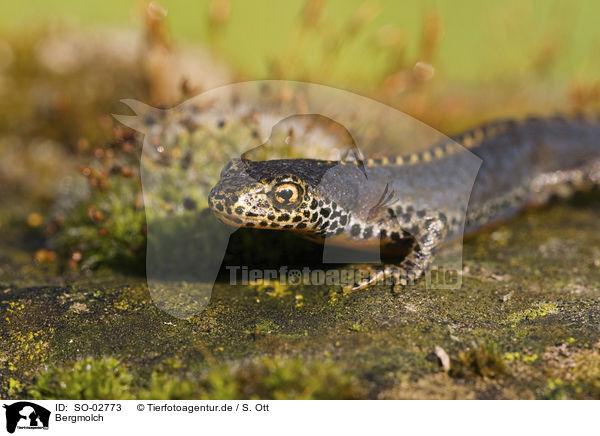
x,y
325,212
410,209
283,217
189,203
334,205
301,226
343,220
274,225
391,213
250,214
339,231
396,236
295,179
250,224
297,218
321,203
314,217
383,233
398,210
239,210
314,204
421,213
271,216
229,211
407,217
325,225
319,221
219,207
355,230
306,213
221,124
333,225
368,232
443,218
263,224
288,226
237,220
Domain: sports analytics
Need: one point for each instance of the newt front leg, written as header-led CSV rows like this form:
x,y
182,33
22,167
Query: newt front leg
x,y
431,231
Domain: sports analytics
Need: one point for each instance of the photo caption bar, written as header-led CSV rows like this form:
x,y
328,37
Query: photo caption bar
x,y
292,417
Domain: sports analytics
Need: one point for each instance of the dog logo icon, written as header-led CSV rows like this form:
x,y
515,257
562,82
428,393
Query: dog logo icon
x,y
26,415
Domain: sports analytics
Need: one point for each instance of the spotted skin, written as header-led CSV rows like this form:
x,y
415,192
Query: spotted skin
x,y
413,199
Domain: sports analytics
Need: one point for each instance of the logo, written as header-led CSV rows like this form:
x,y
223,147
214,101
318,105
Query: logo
x,y
26,415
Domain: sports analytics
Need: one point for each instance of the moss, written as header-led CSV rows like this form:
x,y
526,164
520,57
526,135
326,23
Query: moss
x,y
167,387
15,388
280,378
574,376
87,379
480,360
263,328
109,233
264,378
538,311
26,351
356,327
525,358
271,288
530,359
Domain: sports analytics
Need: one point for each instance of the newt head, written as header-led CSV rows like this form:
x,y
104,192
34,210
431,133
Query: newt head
x,y
277,194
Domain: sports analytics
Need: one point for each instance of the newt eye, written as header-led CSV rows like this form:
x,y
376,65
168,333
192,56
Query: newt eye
x,y
287,194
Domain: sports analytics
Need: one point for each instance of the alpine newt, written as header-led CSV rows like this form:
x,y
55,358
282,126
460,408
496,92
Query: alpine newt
x,y
415,198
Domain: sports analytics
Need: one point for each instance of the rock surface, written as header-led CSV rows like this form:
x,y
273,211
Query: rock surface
x,y
525,324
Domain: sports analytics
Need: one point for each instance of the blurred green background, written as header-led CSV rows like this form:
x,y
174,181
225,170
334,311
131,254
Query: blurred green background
x,y
478,40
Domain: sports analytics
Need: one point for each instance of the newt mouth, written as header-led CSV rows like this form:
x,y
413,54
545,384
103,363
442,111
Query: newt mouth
x,y
248,219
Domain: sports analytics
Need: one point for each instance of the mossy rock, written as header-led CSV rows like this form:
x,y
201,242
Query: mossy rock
x,y
523,325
